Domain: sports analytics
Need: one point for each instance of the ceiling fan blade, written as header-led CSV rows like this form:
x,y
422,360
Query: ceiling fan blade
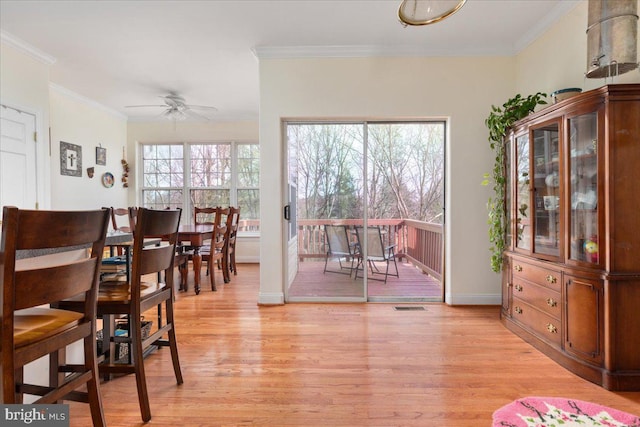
x,y
138,106
201,107
195,115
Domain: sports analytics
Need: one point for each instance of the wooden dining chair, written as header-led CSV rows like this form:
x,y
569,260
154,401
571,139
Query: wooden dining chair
x,y
214,250
122,221
233,218
142,293
216,253
29,328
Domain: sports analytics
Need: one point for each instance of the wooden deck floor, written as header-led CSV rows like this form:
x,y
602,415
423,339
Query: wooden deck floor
x,y
412,284
337,365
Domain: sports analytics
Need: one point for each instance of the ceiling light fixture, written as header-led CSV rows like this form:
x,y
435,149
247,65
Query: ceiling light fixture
x,y
425,12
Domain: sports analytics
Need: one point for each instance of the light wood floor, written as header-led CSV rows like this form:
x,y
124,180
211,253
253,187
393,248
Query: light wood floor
x,y
338,365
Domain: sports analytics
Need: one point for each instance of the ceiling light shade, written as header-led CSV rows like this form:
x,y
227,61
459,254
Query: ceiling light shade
x,y
425,12
175,114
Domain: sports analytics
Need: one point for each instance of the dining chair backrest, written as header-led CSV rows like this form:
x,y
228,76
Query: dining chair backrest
x,y
121,219
158,258
207,215
30,282
233,218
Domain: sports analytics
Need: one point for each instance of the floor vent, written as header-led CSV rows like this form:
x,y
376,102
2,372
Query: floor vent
x,y
408,308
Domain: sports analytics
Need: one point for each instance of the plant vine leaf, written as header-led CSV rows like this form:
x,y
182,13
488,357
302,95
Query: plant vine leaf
x,y
499,121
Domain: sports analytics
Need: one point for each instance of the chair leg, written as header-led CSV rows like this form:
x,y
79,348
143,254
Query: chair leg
x,y
233,262
138,366
56,359
326,261
225,268
212,278
184,271
11,395
93,391
173,344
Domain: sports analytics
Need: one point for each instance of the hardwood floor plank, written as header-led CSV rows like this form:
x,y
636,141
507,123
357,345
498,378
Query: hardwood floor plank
x,y
338,365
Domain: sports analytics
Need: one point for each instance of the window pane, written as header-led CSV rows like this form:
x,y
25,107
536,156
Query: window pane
x,y
160,162
209,198
211,165
162,199
248,165
211,180
249,203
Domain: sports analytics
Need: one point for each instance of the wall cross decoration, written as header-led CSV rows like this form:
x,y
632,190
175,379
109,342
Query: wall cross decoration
x,y
70,159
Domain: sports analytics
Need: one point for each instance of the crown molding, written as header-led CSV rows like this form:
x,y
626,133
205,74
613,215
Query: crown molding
x,y
87,101
26,48
561,9
292,52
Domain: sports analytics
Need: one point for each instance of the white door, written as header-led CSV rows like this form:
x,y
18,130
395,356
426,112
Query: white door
x,y
17,159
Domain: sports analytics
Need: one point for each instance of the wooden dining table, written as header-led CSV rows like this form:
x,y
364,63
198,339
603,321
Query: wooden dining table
x,y
196,235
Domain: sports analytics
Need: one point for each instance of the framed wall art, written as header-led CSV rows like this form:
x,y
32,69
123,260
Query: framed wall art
x,y
101,156
70,159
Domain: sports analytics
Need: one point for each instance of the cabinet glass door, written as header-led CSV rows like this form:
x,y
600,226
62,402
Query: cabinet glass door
x,y
583,188
546,190
523,221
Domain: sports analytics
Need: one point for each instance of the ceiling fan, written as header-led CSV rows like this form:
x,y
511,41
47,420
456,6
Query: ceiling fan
x,y
176,108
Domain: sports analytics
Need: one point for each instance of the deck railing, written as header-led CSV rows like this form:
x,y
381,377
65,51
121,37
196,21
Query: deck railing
x,y
420,242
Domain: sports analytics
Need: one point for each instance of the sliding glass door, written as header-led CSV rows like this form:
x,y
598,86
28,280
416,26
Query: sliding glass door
x,y
326,197
365,211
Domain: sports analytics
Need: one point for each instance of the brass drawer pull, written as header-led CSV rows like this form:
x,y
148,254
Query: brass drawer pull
x,y
517,267
552,328
517,309
551,302
518,288
551,279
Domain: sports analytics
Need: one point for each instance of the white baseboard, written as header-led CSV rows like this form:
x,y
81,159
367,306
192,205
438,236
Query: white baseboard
x,y
270,298
471,299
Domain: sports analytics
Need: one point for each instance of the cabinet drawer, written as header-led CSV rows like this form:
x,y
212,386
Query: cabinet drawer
x,y
543,298
544,326
535,274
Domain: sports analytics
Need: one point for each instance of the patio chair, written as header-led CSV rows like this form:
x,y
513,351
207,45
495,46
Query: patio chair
x,y
339,247
376,252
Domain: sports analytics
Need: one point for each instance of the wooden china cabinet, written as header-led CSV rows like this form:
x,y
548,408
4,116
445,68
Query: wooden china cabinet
x,y
571,279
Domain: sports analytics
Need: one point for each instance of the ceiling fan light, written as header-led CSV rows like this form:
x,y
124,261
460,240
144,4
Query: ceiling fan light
x,y
175,114
425,12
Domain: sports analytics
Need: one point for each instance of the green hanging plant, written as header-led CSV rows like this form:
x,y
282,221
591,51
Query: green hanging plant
x,y
498,123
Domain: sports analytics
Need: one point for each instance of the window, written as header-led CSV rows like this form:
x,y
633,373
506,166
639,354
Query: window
x,y
213,174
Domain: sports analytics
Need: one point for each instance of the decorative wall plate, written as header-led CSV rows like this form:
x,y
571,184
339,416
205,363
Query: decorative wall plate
x,y
107,179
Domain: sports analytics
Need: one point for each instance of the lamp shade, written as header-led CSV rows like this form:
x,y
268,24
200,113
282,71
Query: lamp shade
x,y
425,12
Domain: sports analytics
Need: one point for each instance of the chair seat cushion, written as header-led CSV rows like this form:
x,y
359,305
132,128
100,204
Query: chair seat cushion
x,y
34,324
121,290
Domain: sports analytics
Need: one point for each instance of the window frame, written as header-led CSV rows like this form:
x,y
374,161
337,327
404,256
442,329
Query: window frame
x,y
187,187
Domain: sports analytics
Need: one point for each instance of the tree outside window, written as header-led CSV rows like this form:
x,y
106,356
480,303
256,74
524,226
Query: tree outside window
x,y
214,174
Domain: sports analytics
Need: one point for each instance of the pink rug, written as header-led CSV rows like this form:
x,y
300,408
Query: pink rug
x,y
559,412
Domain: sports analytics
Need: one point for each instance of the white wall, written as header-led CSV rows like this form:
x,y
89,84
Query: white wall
x,y
459,89
24,84
77,121
247,248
